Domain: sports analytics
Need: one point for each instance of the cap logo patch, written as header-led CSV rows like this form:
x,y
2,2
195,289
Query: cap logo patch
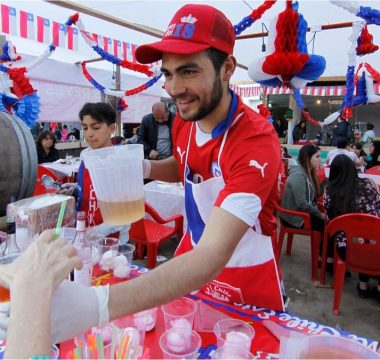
x,y
189,19
185,29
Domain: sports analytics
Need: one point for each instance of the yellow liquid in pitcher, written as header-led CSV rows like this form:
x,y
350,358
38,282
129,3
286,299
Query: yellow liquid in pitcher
x,y
122,212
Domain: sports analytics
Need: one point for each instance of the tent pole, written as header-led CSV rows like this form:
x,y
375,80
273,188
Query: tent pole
x,y
118,113
314,28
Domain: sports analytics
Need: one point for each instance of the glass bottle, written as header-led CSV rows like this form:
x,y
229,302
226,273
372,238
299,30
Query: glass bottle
x,y
83,247
11,247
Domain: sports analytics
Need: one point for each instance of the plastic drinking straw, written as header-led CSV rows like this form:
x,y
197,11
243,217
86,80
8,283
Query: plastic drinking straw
x,y
78,352
58,228
125,347
100,346
113,343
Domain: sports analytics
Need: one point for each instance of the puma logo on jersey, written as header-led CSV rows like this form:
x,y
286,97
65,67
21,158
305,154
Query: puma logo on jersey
x,y
181,153
255,164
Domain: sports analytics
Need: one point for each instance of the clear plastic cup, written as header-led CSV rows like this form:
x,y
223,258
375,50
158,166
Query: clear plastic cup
x,y
117,176
231,353
179,313
127,250
179,345
128,322
106,334
104,252
233,333
146,318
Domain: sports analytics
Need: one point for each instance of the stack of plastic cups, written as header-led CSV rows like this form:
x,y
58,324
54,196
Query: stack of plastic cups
x,y
179,341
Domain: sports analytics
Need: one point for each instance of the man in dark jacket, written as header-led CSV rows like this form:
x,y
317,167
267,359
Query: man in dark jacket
x,y
340,131
155,132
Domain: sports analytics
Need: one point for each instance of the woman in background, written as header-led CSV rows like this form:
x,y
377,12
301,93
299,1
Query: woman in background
x,y
357,148
347,193
374,154
303,189
299,131
46,150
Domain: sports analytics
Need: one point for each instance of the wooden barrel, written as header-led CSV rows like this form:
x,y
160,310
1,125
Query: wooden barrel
x,y
18,160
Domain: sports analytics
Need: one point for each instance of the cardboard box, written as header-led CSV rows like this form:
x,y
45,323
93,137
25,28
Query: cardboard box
x,y
38,213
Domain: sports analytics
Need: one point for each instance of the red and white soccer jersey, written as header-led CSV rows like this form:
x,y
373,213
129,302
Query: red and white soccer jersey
x,y
87,200
236,168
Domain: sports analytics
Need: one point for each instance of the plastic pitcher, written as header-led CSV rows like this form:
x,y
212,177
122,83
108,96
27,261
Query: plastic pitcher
x,y
117,176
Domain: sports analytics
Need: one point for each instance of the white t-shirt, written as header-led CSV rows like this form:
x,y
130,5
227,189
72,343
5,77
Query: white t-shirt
x,y
368,137
331,155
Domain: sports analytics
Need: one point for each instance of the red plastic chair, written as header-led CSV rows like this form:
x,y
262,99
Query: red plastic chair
x,y
374,170
40,188
152,233
315,238
360,257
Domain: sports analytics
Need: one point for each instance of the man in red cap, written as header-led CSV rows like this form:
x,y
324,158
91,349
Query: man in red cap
x,y
228,158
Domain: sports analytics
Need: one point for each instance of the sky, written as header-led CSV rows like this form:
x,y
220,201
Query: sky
x,y
332,44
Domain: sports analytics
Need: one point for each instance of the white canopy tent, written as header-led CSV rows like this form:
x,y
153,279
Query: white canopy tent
x,y
63,90
140,12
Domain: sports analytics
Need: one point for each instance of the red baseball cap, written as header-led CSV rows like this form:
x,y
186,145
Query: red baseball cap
x,y
194,28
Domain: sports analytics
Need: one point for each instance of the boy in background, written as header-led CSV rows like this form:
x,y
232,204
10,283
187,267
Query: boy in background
x,y
98,123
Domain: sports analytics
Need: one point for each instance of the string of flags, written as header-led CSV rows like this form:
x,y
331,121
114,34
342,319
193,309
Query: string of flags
x,y
37,28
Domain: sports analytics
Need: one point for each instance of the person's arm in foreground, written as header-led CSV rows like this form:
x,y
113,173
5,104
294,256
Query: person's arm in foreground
x,y
32,279
184,273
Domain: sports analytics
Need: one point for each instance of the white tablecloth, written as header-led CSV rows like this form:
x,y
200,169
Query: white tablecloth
x,y
167,199
63,169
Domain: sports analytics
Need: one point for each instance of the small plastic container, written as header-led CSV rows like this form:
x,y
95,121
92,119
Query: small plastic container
x,y
146,318
175,345
234,333
127,250
104,251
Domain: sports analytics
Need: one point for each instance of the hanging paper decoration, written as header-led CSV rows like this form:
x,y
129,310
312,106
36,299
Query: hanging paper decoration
x,y
371,16
265,112
346,111
9,52
287,61
145,69
254,16
119,93
365,43
17,95
91,42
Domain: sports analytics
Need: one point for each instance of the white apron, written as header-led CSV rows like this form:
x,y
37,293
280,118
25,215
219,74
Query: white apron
x,y
250,276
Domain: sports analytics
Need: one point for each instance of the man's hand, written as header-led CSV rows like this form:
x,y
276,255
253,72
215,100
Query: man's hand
x,y
67,188
153,154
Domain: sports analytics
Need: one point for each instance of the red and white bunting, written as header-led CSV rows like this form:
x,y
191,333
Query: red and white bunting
x,y
333,90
